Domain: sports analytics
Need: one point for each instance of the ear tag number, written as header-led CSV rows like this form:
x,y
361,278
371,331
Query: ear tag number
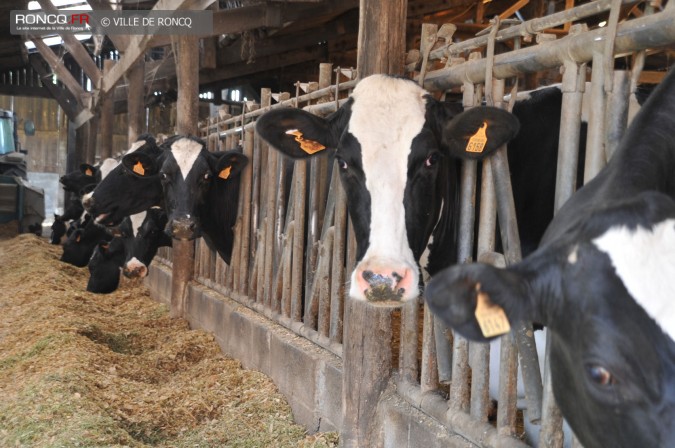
x,y
309,146
478,140
225,172
138,169
491,317
89,172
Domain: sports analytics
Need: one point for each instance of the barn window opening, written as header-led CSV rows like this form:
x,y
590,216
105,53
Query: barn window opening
x,y
235,95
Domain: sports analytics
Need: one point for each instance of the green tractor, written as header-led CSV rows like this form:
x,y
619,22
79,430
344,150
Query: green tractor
x,y
19,201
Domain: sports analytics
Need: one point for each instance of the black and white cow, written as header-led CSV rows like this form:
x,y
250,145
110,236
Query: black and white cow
x,y
199,190
80,244
398,150
79,179
148,236
121,193
602,281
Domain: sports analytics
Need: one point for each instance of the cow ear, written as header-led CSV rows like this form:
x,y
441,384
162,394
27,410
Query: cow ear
x,y
88,170
478,132
481,301
139,164
230,164
297,133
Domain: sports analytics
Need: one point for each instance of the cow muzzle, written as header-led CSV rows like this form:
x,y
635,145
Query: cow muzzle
x,y
184,228
385,285
135,269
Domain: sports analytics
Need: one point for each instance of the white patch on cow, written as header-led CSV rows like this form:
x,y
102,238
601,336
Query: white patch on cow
x,y
644,260
107,166
136,221
136,264
386,115
134,146
185,151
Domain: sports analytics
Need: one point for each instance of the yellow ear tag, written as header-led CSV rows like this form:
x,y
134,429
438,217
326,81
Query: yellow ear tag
x,y
89,172
138,169
491,317
309,146
478,140
225,172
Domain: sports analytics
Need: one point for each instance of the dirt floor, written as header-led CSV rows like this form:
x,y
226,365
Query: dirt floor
x,y
81,370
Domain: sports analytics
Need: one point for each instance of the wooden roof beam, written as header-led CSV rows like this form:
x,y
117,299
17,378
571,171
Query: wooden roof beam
x,y
75,47
66,100
57,67
121,42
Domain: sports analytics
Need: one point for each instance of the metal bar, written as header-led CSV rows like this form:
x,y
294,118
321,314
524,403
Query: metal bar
x,y
595,138
528,28
617,111
656,30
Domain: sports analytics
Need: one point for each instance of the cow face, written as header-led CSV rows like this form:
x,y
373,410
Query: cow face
x,y
81,243
131,187
142,247
606,293
396,148
76,180
186,174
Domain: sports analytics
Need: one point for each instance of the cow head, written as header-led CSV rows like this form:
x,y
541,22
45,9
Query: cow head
x,y
606,293
77,180
396,148
148,236
186,175
131,187
104,266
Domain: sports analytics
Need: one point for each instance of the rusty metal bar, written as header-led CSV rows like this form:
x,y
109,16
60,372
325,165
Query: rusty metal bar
x,y
656,30
409,334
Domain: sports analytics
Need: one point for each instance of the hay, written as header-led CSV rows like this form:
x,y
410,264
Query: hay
x,y
80,369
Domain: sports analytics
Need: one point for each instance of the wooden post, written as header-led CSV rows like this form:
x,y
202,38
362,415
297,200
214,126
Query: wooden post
x,y
187,69
381,42
107,118
367,341
136,99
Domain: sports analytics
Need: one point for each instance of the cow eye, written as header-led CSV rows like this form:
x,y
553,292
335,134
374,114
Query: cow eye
x,y
207,176
163,177
432,160
600,376
342,164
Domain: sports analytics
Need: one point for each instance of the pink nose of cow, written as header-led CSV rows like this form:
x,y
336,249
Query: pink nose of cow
x,y
136,271
383,284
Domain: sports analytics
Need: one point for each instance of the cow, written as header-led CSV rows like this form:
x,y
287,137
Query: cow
x,y
147,238
82,241
120,193
105,265
199,190
398,151
602,282
77,180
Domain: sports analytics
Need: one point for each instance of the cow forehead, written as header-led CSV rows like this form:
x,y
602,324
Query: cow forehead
x,y
644,260
136,221
185,151
387,112
135,146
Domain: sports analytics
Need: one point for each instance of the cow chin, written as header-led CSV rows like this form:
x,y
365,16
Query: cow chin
x,y
385,284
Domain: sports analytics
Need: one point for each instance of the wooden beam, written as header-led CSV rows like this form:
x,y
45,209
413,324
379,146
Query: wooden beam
x,y
62,96
136,48
28,91
136,100
121,42
61,71
76,49
106,121
513,8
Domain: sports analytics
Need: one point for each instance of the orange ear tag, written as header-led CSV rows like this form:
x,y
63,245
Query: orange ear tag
x,y
138,169
225,172
89,172
309,146
478,140
491,318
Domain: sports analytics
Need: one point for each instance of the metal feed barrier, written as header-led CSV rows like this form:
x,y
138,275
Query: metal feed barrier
x,y
294,248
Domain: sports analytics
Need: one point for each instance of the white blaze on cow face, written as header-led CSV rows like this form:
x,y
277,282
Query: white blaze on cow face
x,y
644,260
134,146
386,116
136,221
185,151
